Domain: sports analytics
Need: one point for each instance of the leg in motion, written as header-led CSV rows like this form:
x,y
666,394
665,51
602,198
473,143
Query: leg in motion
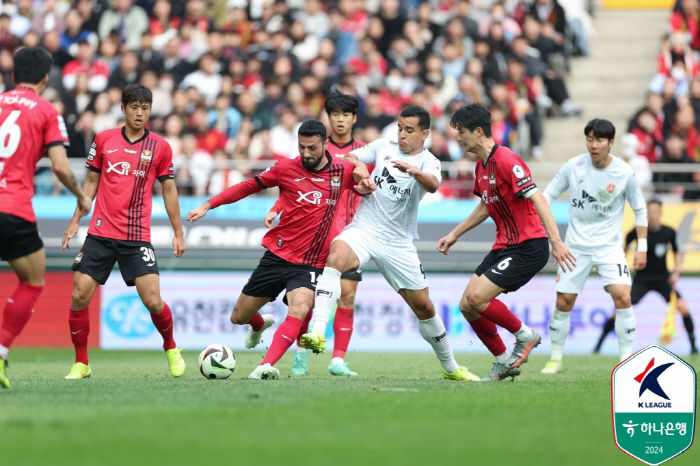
x,y
84,287
342,327
559,327
625,322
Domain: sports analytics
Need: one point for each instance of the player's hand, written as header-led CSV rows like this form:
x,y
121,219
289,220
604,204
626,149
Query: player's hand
x,y
640,260
563,256
269,218
360,172
71,231
85,204
179,245
674,278
198,212
446,243
365,186
404,166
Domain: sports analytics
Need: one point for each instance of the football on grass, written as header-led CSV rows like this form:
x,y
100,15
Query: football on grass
x,y
216,362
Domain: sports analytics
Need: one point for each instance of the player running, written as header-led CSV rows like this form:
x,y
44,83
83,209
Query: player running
x,y
655,276
124,163
311,186
511,198
342,113
599,184
29,128
383,230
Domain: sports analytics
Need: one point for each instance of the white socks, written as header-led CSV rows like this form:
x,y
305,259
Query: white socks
x,y
558,331
625,326
503,358
433,331
525,333
3,352
327,295
335,361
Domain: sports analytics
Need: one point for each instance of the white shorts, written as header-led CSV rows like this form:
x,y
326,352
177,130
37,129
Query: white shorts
x,y
611,265
398,262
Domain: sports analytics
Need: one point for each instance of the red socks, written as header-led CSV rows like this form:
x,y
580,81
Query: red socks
x,y
79,322
256,322
498,313
17,312
283,339
304,327
342,328
488,334
164,325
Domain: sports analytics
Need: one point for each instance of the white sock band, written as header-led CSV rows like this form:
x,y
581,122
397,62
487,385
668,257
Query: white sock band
x,y
559,328
625,327
327,295
433,331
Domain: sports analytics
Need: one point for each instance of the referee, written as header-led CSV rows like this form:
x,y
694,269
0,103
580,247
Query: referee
x,y
655,276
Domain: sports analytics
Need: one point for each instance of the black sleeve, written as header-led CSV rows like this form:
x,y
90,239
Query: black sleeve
x,y
631,236
673,240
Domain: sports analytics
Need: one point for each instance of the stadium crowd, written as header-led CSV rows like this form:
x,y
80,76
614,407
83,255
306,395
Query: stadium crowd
x,y
234,79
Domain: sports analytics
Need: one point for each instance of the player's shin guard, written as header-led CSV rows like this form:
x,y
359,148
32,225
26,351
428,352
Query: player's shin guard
x,y
625,327
327,295
79,322
488,334
433,331
558,330
342,329
17,312
164,325
283,339
689,328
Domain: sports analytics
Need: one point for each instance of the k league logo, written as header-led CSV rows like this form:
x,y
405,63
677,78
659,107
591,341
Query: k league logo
x,y
653,401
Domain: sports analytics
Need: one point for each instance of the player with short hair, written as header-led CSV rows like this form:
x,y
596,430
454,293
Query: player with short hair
x,y
311,186
29,128
342,112
124,163
599,184
511,198
655,276
383,230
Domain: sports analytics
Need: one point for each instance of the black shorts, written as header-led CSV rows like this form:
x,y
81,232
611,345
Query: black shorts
x,y
513,267
354,275
641,287
18,237
273,274
98,256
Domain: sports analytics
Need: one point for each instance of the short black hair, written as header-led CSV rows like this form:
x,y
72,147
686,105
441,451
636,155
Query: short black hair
x,y
342,102
420,112
136,93
601,129
31,65
472,116
655,201
313,128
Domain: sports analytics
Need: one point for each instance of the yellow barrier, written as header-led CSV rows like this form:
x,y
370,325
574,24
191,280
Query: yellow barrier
x,y
639,4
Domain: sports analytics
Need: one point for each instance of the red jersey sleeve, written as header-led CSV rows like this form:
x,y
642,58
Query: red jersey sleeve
x,y
55,131
165,166
278,205
519,176
270,177
94,158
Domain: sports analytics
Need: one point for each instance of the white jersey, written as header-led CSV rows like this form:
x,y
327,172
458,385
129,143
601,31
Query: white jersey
x,y
597,201
391,211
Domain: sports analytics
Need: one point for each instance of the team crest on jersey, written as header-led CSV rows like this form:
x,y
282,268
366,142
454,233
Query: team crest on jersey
x,y
78,258
492,179
611,188
146,156
387,158
335,183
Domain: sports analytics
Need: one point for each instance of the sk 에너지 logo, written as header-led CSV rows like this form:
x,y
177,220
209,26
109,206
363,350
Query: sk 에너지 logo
x,y
653,404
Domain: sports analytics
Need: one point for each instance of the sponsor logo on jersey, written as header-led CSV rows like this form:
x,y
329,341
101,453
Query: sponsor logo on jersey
x,y
386,176
335,183
297,179
98,223
111,150
523,181
78,258
279,242
146,156
15,99
585,197
518,170
121,168
312,197
318,180
611,188
129,151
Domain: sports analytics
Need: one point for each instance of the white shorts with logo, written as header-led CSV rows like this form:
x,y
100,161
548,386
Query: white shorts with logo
x,y
610,263
398,262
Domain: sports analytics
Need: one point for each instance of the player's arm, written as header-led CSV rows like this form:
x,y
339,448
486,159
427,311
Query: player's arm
x,y
360,172
172,207
558,185
233,194
62,169
631,236
678,260
634,196
427,181
477,217
272,214
92,182
560,252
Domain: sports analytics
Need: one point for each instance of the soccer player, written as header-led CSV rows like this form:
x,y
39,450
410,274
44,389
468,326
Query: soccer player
x,y
383,230
655,276
342,113
599,184
29,128
510,197
311,186
124,163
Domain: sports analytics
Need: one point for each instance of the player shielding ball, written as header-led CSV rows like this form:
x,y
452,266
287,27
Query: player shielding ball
x,y
342,114
510,197
599,184
655,276
311,186
123,164
383,230
30,127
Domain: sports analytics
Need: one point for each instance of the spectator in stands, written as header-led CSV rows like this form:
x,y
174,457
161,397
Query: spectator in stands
x,y
8,40
127,72
192,167
48,19
81,136
674,183
222,176
685,21
223,117
206,79
283,136
629,152
208,139
90,12
524,93
648,134
149,58
464,9
85,63
128,20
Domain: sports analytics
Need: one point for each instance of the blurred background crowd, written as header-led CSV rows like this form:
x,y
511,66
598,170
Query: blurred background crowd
x,y
233,79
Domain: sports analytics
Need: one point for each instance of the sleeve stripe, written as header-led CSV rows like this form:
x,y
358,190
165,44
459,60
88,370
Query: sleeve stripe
x,y
57,143
93,169
260,183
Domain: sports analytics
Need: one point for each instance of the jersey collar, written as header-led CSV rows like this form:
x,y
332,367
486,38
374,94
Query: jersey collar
x,y
26,88
330,139
493,151
145,135
328,165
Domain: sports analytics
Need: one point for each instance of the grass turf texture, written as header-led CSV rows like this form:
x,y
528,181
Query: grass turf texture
x,y
398,411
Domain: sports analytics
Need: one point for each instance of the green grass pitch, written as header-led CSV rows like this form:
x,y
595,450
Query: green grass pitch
x,y
397,412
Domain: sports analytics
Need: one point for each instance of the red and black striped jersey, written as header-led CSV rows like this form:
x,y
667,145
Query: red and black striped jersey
x,y
128,171
501,183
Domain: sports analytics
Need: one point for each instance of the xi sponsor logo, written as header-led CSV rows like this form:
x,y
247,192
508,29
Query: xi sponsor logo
x,y
653,404
121,168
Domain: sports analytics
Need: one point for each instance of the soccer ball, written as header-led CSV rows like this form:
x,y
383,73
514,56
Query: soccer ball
x,y
217,362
